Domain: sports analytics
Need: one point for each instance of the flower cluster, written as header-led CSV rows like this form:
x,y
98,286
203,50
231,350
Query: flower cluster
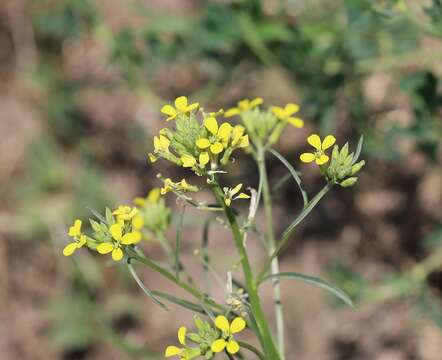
x,y
200,146
265,126
209,339
125,226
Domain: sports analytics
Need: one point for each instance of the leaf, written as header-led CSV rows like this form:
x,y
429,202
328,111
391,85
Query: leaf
x,y
97,215
293,173
358,150
143,287
313,281
184,303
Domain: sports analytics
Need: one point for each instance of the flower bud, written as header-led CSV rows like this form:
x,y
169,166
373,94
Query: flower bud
x,y
356,167
349,182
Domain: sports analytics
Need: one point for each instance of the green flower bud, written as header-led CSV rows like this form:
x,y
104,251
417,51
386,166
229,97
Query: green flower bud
x,y
349,182
195,338
356,167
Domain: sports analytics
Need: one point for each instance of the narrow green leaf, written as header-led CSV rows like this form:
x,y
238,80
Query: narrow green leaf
x,y
313,281
143,287
206,257
179,233
293,172
358,150
181,302
97,215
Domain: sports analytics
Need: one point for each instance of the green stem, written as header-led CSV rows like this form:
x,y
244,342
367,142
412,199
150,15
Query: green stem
x,y
265,335
252,349
286,235
274,268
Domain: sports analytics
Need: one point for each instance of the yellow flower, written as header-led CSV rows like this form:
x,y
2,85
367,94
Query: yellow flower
x,y
183,185
242,106
118,239
230,194
227,341
190,161
319,155
124,213
181,107
161,143
79,238
172,350
219,138
151,198
285,114
238,137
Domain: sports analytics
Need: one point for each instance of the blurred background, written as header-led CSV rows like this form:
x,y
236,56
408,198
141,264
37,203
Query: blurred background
x,y
81,85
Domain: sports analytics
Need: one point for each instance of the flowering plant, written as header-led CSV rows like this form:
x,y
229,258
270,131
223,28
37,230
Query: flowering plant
x,y
203,144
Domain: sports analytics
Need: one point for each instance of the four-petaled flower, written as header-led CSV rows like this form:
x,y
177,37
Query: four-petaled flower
x,y
319,155
219,138
181,107
175,350
285,114
161,143
118,239
124,213
230,194
242,106
227,341
79,239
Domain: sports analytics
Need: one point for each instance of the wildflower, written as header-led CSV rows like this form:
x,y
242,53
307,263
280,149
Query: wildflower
x,y
230,194
219,138
181,107
161,143
318,156
183,186
124,213
227,341
242,106
118,239
79,238
285,114
238,137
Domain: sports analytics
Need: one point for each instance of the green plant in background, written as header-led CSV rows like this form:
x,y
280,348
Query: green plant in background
x,y
204,145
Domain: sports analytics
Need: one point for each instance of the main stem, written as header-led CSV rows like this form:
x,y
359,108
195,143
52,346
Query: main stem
x,y
265,335
274,269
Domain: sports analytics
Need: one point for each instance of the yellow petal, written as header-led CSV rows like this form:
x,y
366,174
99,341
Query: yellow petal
x,y
105,248
116,231
218,345
203,143
153,195
81,241
315,141
164,142
236,189
69,249
244,105
232,347
193,106
255,102
291,109
211,124
222,323
238,324
279,112
322,159
131,238
117,254
204,158
156,143
75,230
182,335
172,351
296,122
224,130
181,103
152,158
216,148
307,157
228,201
232,112
328,142
137,221
188,160
168,110
243,196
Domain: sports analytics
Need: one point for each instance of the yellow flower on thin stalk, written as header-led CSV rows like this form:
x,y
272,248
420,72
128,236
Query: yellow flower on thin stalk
x,y
181,107
319,155
124,213
79,238
220,136
227,340
184,352
285,114
118,239
242,106
231,194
